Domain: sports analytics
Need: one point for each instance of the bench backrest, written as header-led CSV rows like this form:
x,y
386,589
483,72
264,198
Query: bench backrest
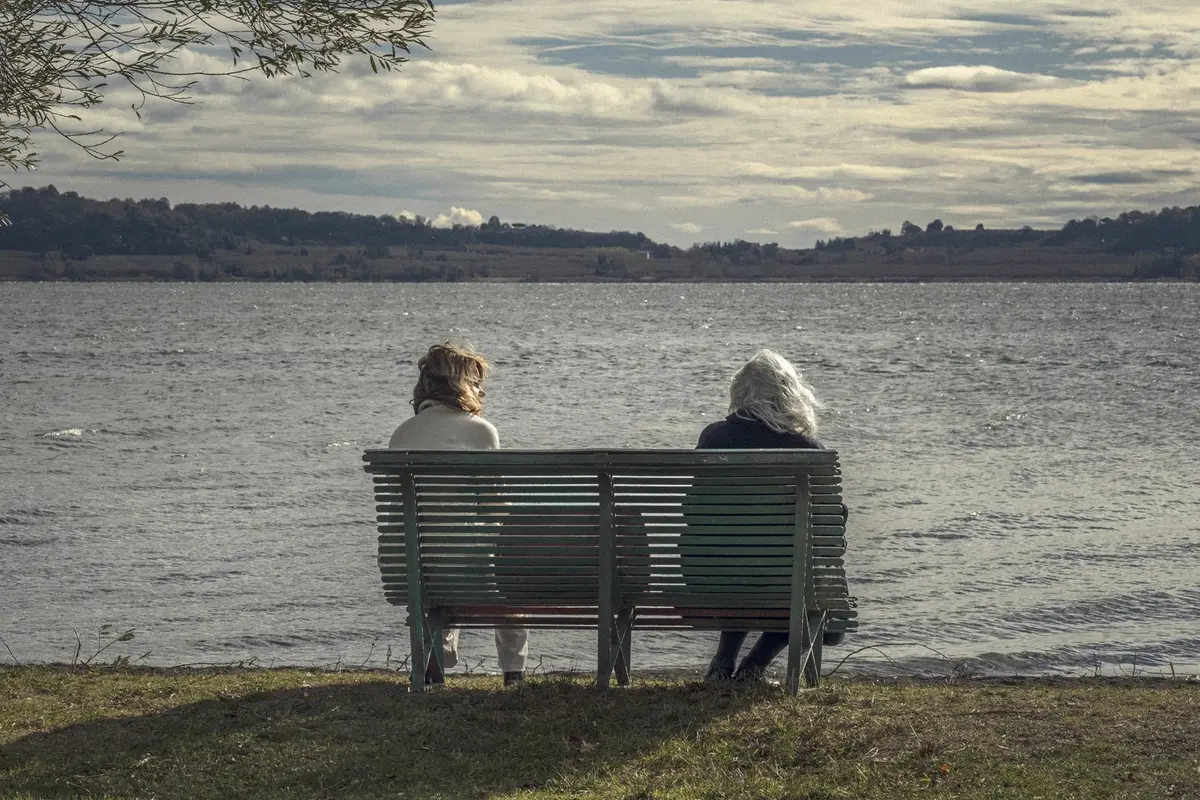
x,y
690,538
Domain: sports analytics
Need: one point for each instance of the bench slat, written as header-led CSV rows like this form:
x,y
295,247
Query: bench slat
x,y
470,482
753,547
659,563
644,495
609,459
827,568
554,577
699,523
433,521
481,487
503,533
711,477
565,508
563,504
686,543
716,481
627,538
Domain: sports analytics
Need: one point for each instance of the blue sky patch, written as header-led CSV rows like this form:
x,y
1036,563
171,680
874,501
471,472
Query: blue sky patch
x,y
654,53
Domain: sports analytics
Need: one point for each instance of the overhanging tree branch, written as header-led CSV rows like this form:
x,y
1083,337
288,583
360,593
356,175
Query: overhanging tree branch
x,y
59,58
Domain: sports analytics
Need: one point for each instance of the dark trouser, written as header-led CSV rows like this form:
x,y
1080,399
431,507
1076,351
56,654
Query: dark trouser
x,y
754,665
769,645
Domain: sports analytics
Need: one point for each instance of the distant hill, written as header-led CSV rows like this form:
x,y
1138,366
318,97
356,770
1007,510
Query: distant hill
x,y
57,235
47,219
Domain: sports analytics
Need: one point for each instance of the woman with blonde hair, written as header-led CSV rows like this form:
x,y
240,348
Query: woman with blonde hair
x,y
447,402
770,406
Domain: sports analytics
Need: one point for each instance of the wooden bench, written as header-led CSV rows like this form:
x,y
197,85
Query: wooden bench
x,y
615,540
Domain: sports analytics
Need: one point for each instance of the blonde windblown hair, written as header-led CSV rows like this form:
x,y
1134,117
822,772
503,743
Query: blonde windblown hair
x,y
768,388
453,376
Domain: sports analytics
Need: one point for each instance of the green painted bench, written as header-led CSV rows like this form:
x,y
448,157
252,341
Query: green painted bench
x,y
615,540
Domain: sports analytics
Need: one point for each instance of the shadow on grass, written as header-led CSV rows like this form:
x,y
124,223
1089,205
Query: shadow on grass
x,y
366,739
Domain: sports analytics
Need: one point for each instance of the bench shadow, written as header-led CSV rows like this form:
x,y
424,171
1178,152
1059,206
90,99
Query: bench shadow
x,y
367,739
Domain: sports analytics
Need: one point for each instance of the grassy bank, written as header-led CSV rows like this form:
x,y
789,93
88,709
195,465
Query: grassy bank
x,y
293,733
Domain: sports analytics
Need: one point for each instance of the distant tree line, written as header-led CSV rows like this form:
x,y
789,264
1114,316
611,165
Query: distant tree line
x,y
45,219
738,251
936,233
1173,231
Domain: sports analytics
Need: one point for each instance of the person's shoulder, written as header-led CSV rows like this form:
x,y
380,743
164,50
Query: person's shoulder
x,y
488,436
714,435
397,440
802,441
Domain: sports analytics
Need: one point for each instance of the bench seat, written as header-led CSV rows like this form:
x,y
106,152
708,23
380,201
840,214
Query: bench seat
x,y
615,540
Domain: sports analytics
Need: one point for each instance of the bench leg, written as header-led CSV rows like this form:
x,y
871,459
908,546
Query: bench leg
x,y
804,650
419,658
798,646
604,650
437,653
622,645
816,635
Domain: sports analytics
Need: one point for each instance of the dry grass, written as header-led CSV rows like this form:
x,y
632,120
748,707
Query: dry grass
x,y
294,733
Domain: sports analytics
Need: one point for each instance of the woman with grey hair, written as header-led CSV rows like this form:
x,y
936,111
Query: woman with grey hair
x,y
770,406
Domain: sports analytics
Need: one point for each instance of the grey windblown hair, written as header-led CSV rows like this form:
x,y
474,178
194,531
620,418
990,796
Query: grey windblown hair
x,y
769,389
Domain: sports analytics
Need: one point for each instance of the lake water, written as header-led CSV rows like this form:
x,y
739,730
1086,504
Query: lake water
x,y
1022,461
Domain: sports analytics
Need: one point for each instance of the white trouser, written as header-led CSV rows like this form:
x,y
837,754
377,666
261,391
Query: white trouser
x,y
512,648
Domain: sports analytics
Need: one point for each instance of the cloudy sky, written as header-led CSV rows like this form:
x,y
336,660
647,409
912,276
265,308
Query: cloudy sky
x,y
697,120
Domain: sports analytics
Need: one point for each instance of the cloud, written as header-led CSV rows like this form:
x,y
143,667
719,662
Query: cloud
x,y
1128,177
457,216
468,86
818,224
974,210
720,63
749,195
977,79
734,115
687,227
832,194
880,172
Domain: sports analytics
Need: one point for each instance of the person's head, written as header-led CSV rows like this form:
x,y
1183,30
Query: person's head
x,y
453,376
769,389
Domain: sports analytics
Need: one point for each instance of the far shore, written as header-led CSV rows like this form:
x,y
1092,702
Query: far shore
x,y
562,265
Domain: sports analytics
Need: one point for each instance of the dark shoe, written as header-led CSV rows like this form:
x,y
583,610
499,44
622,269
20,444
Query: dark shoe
x,y
750,673
833,638
513,678
719,670
753,668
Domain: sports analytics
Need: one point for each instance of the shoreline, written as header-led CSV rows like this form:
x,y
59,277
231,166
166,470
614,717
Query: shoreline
x,y
667,675
564,281
673,281
346,264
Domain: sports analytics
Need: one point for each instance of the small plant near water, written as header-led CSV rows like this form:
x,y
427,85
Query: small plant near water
x,y
105,639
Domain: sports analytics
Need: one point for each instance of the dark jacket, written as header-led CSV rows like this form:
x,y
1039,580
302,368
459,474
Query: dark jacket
x,y
739,433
